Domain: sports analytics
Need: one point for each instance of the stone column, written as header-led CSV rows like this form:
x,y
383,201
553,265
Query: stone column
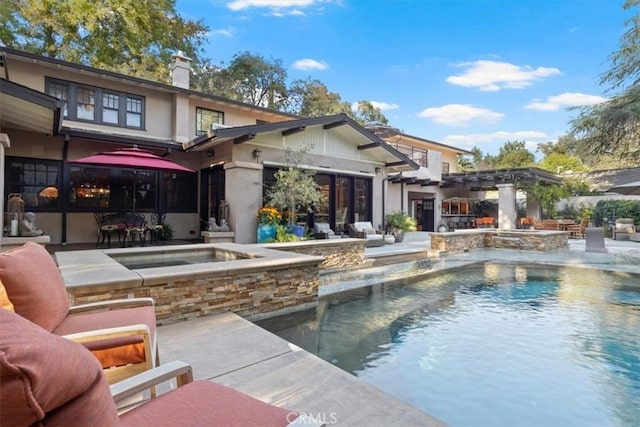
x,y
533,208
244,203
506,206
4,143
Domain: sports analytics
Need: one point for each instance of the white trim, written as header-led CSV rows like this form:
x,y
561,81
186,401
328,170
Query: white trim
x,y
321,169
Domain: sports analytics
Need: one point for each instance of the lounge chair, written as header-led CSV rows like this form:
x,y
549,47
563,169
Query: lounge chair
x,y
52,381
322,230
120,333
365,230
623,229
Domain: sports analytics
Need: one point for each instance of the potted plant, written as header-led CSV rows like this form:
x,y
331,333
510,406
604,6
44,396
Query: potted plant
x,y
268,218
294,188
400,223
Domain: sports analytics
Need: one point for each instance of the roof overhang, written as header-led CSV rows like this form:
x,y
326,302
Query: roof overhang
x,y
340,123
490,179
127,140
23,108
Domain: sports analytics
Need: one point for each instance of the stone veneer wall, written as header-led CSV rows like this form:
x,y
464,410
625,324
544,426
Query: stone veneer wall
x,y
337,253
522,240
251,294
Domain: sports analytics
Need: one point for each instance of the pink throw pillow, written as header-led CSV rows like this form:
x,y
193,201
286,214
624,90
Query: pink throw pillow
x,y
34,285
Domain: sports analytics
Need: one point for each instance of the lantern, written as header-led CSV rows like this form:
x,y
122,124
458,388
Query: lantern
x,y
223,213
15,213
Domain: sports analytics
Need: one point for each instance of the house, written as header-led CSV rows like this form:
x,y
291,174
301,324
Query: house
x,y
54,111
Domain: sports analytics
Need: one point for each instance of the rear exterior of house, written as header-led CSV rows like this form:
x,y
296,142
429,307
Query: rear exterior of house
x,y
234,148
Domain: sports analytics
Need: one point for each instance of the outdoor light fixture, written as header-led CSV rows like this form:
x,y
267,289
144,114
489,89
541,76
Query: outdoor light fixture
x,y
378,170
256,154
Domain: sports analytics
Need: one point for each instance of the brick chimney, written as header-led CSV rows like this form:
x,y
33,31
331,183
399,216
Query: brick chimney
x,y
179,67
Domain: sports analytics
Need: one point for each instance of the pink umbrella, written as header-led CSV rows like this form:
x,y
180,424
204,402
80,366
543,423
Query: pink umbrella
x,y
133,158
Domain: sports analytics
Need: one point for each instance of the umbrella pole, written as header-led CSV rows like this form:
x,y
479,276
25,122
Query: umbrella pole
x,y
134,192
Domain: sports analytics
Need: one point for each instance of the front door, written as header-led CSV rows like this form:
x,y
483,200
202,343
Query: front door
x,y
428,214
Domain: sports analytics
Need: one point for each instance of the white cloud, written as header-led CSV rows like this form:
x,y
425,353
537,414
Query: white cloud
x,y
384,106
460,115
492,76
226,32
468,141
565,100
310,64
272,4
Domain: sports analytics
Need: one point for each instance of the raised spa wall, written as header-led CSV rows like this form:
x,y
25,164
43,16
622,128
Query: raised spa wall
x,y
253,281
534,240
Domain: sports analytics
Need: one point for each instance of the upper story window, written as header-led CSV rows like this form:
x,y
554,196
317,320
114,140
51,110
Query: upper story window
x,y
418,155
205,118
98,105
445,167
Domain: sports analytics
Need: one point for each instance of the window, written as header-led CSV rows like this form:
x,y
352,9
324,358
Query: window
x,y
180,192
90,187
205,118
110,108
134,112
85,103
98,105
445,167
61,91
37,181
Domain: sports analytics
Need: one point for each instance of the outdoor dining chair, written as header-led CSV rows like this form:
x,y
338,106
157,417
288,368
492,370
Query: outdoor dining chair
x,y
51,381
120,333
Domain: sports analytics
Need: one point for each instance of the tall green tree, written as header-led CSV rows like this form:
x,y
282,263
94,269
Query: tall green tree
x,y
612,128
366,114
135,37
249,78
514,154
312,98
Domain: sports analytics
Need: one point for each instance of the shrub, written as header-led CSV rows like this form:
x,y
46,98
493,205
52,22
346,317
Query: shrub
x,y
606,210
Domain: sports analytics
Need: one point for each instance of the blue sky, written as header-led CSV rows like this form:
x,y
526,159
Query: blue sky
x,y
461,72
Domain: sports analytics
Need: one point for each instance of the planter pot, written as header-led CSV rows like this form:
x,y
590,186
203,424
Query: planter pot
x,y
266,233
389,239
298,230
399,235
442,229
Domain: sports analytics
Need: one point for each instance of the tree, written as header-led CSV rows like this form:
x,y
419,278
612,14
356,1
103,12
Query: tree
x,y
312,98
294,188
249,78
547,196
514,154
612,128
131,37
367,114
561,163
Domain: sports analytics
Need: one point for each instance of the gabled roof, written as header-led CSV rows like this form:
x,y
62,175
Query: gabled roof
x,y
392,157
393,135
27,109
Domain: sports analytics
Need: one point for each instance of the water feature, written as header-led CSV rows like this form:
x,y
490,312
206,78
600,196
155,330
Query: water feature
x,y
493,345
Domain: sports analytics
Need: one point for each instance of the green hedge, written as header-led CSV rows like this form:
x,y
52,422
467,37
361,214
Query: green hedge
x,y
605,210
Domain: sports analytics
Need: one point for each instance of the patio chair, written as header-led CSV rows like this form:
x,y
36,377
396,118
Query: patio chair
x,y
52,381
365,230
120,333
107,227
155,227
623,229
577,230
322,230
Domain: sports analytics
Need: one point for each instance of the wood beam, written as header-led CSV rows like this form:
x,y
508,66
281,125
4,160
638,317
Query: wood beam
x,y
292,131
367,146
244,138
334,124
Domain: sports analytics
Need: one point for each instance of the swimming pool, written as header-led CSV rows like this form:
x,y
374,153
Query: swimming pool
x,y
492,345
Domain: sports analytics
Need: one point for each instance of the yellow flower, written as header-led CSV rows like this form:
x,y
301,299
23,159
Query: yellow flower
x,y
269,215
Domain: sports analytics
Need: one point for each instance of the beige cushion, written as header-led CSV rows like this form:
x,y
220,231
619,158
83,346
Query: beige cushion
x,y
34,285
49,379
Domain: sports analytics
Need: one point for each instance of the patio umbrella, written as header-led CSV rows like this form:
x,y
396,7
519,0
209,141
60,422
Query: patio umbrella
x,y
132,158
628,189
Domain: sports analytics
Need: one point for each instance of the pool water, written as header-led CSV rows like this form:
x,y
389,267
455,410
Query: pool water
x,y
491,345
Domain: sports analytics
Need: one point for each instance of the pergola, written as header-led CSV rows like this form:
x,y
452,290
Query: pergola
x,y
503,180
